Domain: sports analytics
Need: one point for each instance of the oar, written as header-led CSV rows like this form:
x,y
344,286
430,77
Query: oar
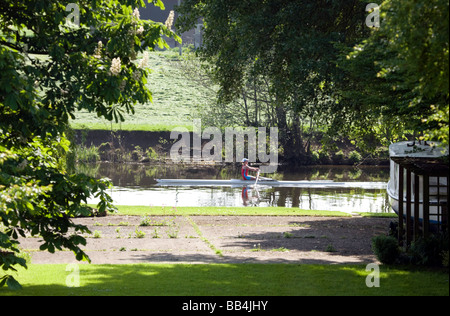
x,y
257,178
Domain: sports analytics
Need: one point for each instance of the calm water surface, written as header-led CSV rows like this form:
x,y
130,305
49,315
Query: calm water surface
x,y
134,184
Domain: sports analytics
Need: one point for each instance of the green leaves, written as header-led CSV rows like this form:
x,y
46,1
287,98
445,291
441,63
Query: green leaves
x,y
280,55
399,74
285,41
157,3
394,81
48,70
7,261
10,282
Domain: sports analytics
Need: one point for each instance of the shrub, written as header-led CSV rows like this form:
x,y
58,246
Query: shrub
x,y
429,251
354,157
87,154
151,154
386,249
324,157
445,258
339,157
315,157
135,155
104,151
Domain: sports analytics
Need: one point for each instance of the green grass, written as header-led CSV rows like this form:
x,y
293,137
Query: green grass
x,y
226,280
174,99
384,215
225,211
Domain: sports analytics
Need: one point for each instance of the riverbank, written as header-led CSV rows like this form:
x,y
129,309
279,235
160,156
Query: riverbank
x,y
151,146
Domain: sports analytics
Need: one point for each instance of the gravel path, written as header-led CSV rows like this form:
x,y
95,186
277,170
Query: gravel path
x,y
223,239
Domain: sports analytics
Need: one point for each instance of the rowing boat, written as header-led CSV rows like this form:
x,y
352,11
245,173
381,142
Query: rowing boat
x,y
272,183
437,185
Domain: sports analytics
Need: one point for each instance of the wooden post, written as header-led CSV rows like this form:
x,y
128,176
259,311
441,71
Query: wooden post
x,y
416,206
445,207
400,204
426,205
408,208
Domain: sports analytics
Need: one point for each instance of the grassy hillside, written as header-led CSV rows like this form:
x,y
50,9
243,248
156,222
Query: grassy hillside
x,y
175,99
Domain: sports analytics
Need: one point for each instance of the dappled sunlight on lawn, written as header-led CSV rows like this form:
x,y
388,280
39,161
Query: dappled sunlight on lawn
x,y
227,279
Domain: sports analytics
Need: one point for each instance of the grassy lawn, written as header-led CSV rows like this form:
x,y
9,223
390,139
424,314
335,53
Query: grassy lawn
x,y
222,211
226,280
174,99
241,211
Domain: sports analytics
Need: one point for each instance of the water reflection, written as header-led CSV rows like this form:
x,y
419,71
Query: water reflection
x,y
250,195
134,184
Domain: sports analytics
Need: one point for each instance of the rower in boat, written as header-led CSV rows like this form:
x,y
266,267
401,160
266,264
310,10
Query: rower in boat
x,y
246,168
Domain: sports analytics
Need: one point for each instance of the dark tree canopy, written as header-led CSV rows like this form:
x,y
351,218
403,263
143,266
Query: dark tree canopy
x,y
320,56
57,57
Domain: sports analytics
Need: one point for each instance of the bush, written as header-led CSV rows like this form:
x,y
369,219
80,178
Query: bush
x,y
324,157
386,249
445,258
152,154
354,157
86,154
315,157
104,151
429,251
135,155
339,157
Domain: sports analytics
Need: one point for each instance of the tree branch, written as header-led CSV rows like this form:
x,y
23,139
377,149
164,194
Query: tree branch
x,y
10,45
22,49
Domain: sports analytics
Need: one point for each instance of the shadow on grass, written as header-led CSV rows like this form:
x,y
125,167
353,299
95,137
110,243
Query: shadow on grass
x,y
256,256
227,280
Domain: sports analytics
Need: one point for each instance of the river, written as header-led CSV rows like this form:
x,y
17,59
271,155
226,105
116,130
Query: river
x,y
134,184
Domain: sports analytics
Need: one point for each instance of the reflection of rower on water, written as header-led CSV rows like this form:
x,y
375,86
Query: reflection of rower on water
x,y
250,195
246,168
245,195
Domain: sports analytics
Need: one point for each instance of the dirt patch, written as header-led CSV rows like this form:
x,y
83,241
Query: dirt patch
x,y
223,239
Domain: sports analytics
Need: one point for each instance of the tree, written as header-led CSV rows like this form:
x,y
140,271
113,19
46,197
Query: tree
x,y
57,57
400,73
394,81
289,46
